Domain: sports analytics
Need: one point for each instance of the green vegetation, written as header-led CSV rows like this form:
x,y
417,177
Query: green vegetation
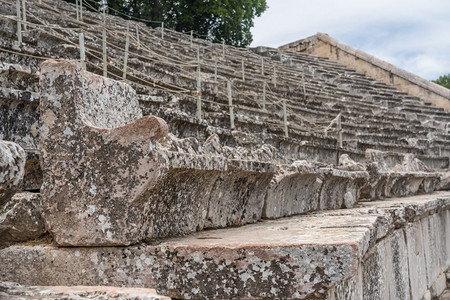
x,y
443,80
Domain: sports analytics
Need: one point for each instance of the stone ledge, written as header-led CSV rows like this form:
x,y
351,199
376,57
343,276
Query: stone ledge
x,y
297,257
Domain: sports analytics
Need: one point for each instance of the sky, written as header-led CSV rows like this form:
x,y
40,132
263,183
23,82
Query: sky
x,y
413,35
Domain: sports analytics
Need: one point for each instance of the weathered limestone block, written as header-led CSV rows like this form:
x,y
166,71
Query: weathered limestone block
x,y
294,190
12,170
348,164
388,179
237,197
341,189
303,187
19,117
97,157
12,290
21,219
195,191
444,182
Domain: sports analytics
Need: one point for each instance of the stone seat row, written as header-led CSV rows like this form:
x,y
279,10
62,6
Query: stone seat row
x,y
225,117
371,86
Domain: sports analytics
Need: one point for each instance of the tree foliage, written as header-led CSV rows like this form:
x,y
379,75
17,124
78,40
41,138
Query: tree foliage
x,y
443,80
229,21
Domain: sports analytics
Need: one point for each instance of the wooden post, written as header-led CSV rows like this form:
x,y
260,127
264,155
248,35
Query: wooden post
x,y
81,10
199,96
262,66
192,36
82,51
339,126
137,37
125,58
230,104
76,7
286,132
243,70
303,86
215,70
105,61
19,23
198,55
274,79
24,14
223,48
264,95
162,30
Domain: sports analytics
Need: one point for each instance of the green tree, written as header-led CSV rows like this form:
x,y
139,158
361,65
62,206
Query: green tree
x,y
222,20
443,80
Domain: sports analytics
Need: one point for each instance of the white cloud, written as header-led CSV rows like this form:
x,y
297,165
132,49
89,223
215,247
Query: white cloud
x,y
411,34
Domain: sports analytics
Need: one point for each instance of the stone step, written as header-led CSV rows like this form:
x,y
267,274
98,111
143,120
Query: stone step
x,y
351,252
14,291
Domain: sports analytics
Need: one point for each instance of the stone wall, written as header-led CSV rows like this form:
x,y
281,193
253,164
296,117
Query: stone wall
x,y
325,46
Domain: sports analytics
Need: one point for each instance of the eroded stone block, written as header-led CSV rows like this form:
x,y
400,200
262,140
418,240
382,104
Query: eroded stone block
x,y
388,179
303,187
12,170
295,189
21,219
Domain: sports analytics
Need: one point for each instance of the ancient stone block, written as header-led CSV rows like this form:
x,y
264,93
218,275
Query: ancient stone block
x,y
295,189
12,170
397,275
303,187
341,189
97,157
196,191
374,273
21,219
397,180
